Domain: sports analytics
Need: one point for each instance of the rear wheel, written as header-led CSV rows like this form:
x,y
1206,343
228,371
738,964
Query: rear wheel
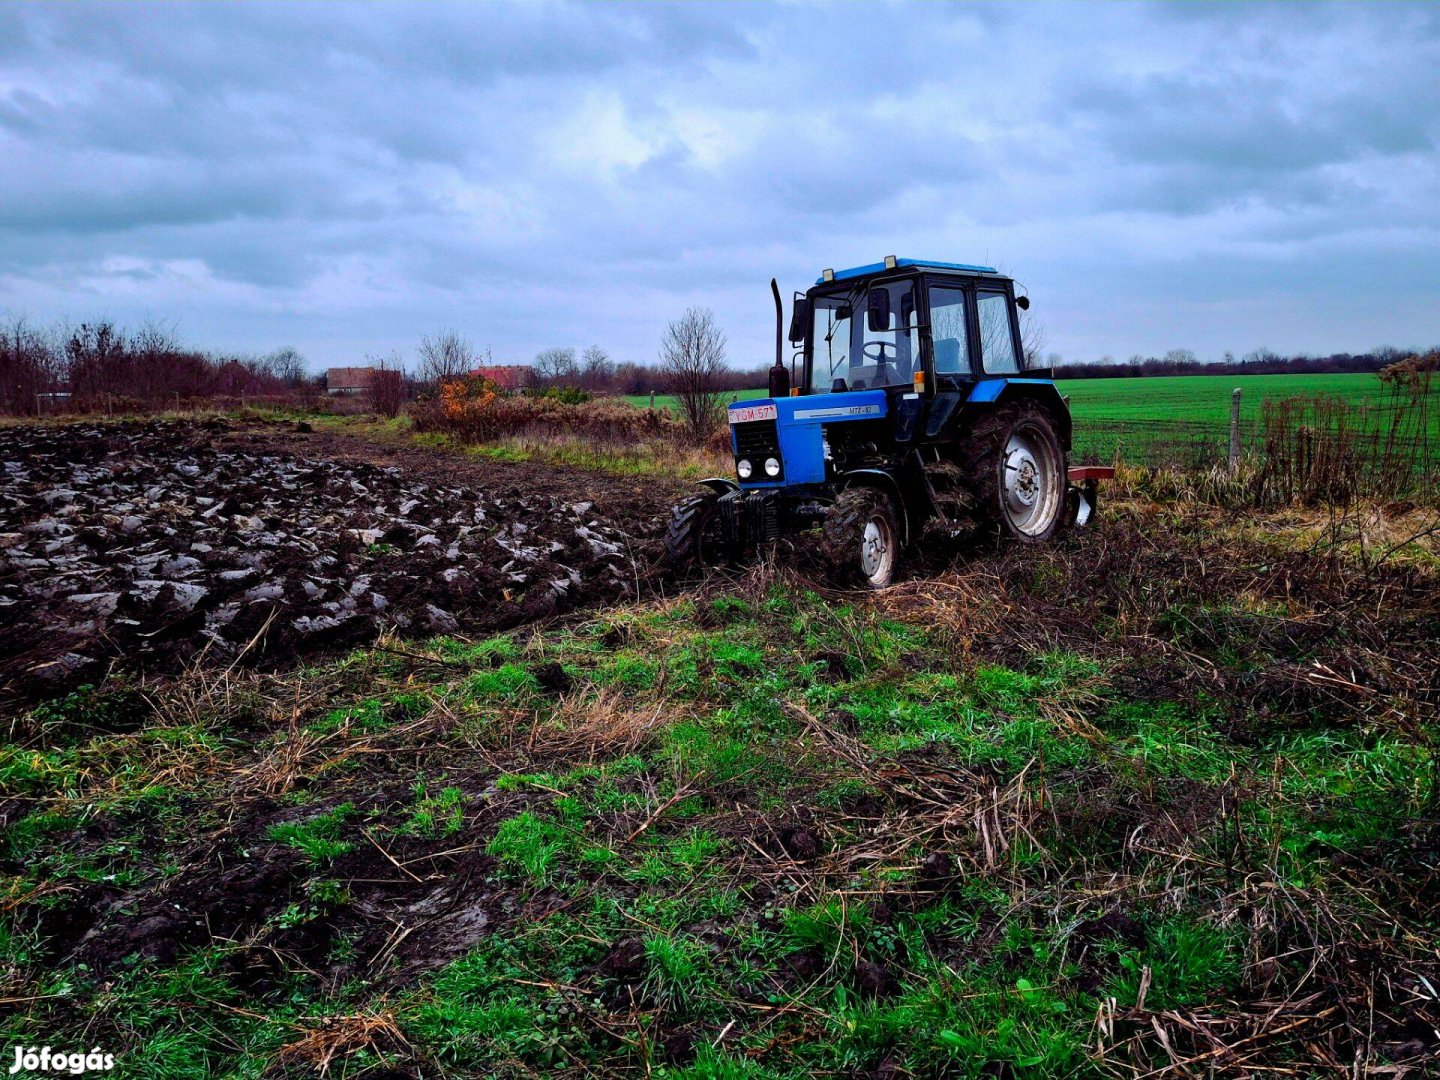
x,y
696,536
861,538
1015,465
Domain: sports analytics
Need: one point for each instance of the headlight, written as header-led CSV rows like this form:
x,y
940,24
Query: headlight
x,y
744,468
772,467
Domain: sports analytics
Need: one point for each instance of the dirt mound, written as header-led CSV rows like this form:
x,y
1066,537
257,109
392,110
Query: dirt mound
x,y
218,903
158,542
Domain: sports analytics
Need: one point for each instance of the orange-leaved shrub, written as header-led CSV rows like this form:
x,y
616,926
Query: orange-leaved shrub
x,y
475,410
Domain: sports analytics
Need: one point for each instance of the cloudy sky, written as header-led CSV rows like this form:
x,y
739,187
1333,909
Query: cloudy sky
x,y
346,178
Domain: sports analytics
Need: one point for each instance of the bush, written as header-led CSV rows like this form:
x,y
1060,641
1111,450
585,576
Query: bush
x,y
566,395
387,391
1324,450
475,410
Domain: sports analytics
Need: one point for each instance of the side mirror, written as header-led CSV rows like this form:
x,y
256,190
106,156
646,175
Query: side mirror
x,y
799,320
879,310
1023,303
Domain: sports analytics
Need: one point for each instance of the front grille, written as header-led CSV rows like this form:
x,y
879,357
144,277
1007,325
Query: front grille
x,y
757,440
750,517
762,518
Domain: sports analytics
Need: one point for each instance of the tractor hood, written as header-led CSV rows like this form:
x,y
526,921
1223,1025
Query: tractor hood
x,y
790,431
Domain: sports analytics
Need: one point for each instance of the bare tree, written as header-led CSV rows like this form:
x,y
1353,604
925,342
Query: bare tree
x,y
556,365
287,365
597,370
444,356
29,366
1032,338
692,365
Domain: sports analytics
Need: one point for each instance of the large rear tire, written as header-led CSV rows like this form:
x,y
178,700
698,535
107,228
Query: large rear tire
x,y
860,538
1015,465
694,538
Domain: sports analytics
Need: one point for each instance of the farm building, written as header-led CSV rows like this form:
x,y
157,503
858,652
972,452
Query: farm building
x,y
348,380
507,376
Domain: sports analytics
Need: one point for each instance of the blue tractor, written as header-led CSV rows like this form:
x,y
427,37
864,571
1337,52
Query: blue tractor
x,y
909,405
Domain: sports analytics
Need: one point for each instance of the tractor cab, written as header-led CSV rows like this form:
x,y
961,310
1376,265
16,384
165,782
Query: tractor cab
x,y
905,324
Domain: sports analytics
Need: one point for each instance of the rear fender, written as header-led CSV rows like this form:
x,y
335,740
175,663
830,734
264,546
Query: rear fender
x,y
883,481
991,392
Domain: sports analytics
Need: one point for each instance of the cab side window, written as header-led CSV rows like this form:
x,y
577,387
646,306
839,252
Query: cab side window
x,y
997,338
948,332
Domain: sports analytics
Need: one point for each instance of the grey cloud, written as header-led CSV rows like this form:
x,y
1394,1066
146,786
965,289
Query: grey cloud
x,y
1253,122
335,175
205,47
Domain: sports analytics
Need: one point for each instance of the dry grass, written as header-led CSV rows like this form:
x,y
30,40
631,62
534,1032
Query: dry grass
x,y
610,723
334,1039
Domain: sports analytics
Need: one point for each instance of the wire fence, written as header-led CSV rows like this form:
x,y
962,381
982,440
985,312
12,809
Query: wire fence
x,y
1306,448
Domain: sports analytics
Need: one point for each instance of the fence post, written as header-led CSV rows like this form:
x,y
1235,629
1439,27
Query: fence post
x,y
1235,429
652,399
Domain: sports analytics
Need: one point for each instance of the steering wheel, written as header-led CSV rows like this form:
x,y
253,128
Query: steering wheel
x,y
880,362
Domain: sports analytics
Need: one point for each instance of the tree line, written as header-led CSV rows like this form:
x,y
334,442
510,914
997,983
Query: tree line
x,y
691,365
450,354
1258,362
100,366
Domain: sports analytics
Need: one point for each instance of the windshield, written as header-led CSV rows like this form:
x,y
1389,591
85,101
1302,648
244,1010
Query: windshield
x,y
866,336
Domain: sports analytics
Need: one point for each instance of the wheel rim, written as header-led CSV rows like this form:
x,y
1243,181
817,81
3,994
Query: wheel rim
x,y
877,551
1030,490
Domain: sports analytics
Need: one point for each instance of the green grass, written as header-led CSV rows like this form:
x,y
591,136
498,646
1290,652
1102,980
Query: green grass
x,y
745,865
671,402
317,837
439,815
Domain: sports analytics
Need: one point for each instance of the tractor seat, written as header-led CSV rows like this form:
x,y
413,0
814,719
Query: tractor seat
x,y
864,375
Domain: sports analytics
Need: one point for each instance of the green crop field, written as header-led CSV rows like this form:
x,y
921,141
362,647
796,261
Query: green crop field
x,y
667,401
1148,417
1144,417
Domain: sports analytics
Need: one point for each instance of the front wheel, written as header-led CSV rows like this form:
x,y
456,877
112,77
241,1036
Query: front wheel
x,y
861,538
696,535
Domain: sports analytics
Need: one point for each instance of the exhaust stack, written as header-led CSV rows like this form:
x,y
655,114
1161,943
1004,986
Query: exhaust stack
x,y
779,375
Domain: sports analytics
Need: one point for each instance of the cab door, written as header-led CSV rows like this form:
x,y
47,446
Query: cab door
x,y
999,340
950,345
893,343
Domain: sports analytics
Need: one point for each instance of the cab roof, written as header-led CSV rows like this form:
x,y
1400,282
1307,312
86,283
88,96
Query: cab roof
x,y
923,264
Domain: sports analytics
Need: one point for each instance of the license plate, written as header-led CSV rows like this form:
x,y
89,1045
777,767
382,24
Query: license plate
x,y
747,413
